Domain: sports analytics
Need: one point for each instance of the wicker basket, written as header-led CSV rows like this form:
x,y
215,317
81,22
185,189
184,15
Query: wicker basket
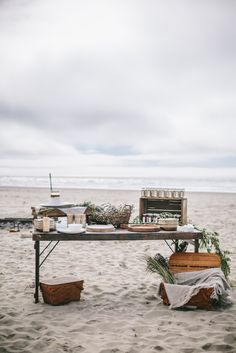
x,y
116,217
202,300
186,262
61,290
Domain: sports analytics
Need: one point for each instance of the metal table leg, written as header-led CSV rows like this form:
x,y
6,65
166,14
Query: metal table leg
x,y
196,245
176,245
36,293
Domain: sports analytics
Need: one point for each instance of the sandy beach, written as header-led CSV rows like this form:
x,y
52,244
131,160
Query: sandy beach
x,y
119,311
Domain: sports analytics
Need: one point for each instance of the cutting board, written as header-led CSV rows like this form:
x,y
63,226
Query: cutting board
x,y
144,228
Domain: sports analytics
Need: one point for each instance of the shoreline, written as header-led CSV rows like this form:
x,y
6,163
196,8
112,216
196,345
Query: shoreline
x,y
110,189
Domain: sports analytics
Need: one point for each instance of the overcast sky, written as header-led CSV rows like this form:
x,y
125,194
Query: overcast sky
x,y
120,87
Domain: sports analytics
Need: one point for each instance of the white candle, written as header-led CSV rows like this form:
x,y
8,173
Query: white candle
x,y
46,224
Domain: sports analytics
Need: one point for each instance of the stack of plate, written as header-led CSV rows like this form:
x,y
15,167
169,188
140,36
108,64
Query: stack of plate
x,y
70,228
100,228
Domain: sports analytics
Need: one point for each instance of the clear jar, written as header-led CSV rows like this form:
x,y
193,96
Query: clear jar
x,y
154,193
161,193
165,193
176,194
147,193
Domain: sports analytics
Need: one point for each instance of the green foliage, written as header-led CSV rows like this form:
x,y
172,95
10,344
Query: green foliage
x,y
137,220
157,265
210,241
107,213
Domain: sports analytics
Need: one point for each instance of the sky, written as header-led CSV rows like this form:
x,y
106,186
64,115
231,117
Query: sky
x,y
126,87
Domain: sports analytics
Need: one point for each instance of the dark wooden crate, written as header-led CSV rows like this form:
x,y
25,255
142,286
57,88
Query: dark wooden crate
x,y
158,205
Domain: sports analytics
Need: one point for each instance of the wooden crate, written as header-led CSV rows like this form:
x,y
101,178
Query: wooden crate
x,y
158,205
186,262
202,300
61,290
191,261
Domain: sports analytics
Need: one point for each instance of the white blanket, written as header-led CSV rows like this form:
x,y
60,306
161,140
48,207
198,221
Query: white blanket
x,y
188,284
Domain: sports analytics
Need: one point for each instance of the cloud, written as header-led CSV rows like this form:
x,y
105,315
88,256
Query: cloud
x,y
124,82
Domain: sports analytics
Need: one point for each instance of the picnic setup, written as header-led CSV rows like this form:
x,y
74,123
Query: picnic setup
x,y
189,278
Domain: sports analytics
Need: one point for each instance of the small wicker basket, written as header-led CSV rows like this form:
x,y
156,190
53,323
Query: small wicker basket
x,y
118,218
61,290
113,216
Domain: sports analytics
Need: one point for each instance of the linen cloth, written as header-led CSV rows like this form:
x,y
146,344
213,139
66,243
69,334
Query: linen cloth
x,y
188,284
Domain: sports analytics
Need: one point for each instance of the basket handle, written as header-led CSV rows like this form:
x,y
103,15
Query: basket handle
x,y
128,208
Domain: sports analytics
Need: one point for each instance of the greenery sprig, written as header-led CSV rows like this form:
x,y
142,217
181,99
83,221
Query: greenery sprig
x,y
210,241
158,264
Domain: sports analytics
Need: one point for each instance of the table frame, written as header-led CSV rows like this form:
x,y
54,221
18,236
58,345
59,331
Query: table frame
x,y
119,234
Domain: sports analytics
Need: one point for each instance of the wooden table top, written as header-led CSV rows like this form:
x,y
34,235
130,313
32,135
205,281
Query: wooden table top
x,y
118,234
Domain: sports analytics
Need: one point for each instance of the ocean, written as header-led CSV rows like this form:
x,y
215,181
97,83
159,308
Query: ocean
x,y
216,184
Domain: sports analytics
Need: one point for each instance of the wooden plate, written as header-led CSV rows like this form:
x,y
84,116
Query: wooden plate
x,y
100,228
144,228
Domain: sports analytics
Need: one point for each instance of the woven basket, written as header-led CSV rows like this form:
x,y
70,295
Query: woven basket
x,y
61,290
114,217
118,218
187,262
202,300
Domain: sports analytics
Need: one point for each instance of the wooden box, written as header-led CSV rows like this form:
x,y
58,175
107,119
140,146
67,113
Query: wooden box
x,y
185,262
61,290
157,205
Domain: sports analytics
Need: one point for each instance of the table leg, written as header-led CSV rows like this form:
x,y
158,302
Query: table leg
x,y
36,293
176,245
196,245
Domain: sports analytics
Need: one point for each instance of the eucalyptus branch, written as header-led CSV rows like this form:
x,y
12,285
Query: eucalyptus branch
x,y
211,242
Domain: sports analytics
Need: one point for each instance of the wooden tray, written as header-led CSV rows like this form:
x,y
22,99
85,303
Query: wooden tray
x,y
144,228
